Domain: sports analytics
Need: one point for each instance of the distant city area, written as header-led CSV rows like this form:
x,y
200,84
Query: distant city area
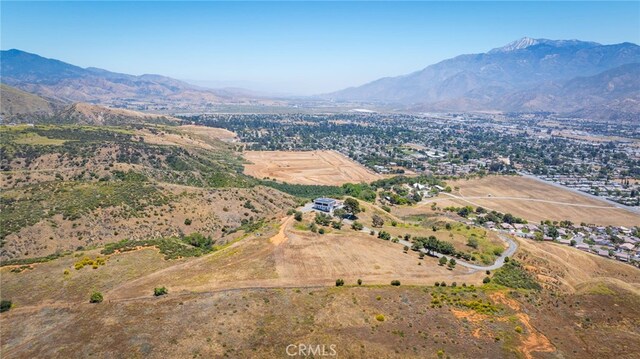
x,y
588,156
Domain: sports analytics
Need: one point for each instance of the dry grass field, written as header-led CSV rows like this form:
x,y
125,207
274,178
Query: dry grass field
x,y
275,287
286,256
307,167
534,201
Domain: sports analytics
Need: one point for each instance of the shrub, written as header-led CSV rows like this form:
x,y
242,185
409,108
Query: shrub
x,y
187,221
321,230
486,280
96,297
5,305
513,275
380,318
395,282
386,209
454,284
377,221
394,223
443,284
518,329
160,291
339,282
442,261
506,259
298,216
356,226
437,284
359,281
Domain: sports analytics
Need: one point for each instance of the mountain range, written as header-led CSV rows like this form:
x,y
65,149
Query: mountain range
x,y
66,83
525,75
576,78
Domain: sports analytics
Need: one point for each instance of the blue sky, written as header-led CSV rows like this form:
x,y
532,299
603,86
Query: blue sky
x,y
295,47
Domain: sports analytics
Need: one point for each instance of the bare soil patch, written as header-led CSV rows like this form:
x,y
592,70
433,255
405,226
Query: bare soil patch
x,y
535,201
307,167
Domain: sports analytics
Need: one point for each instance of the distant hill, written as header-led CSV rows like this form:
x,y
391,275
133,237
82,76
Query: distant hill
x,y
16,102
18,106
69,83
613,94
88,114
527,67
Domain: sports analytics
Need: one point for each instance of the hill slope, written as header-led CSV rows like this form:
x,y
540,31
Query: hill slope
x,y
16,102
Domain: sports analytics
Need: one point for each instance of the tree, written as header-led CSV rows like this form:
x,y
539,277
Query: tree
x,y
352,206
384,235
356,226
96,297
573,243
322,219
486,280
538,236
336,224
377,221
321,230
339,282
406,249
298,216
442,261
160,291
340,213
395,283
359,281
187,222
452,263
5,305
473,242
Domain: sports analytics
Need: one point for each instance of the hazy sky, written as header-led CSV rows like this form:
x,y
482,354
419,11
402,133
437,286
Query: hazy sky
x,y
295,47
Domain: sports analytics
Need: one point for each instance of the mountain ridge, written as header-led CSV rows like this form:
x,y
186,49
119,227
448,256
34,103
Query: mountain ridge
x,y
481,81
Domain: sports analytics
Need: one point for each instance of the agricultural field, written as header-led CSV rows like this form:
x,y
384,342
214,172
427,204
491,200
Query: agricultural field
x,y
307,167
533,200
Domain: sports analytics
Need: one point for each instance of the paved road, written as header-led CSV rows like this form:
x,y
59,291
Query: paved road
x,y
513,246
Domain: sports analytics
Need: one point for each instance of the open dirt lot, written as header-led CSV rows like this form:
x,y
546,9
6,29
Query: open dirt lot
x,y
307,167
534,200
